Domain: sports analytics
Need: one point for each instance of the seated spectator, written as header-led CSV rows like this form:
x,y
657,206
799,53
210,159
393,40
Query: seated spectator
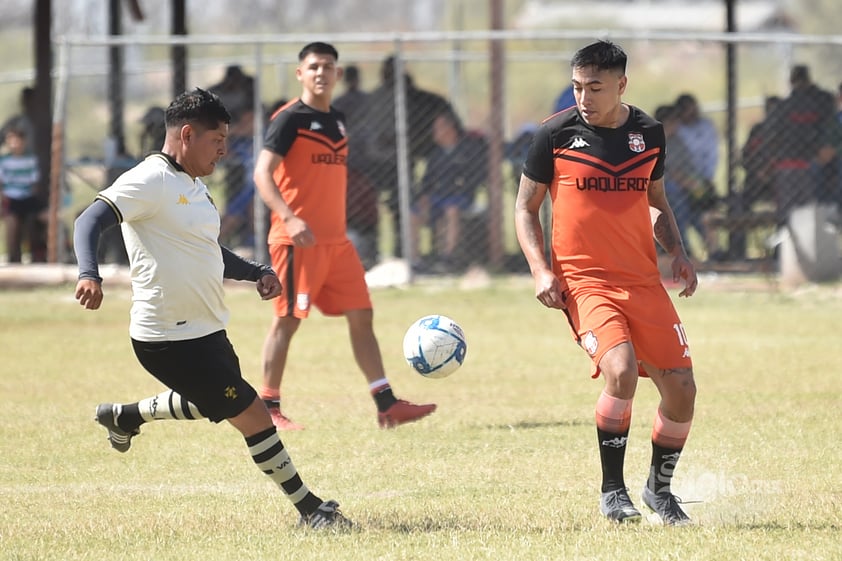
x,y
687,189
456,167
799,143
757,185
21,206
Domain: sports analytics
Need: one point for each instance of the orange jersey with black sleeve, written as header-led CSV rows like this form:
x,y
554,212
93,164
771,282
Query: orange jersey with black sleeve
x,y
313,175
598,181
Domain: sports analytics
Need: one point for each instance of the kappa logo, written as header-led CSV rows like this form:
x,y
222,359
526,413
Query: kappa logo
x,y
182,200
579,142
315,126
616,442
686,352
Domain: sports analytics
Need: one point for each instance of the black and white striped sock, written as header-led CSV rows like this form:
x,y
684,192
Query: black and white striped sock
x,y
167,405
271,457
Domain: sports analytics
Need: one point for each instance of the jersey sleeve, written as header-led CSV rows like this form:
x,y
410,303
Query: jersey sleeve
x,y
281,133
658,170
135,195
539,158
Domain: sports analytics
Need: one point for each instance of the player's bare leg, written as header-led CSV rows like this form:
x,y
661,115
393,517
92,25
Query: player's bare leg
x,y
613,420
391,411
275,352
669,434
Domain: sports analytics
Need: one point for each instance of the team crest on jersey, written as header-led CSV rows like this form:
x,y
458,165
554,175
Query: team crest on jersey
x,y
341,128
636,143
590,343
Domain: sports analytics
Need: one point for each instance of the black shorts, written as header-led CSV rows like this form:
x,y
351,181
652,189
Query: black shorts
x,y
23,207
206,371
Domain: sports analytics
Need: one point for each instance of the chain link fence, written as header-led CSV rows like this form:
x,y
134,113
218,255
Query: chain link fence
x,y
735,169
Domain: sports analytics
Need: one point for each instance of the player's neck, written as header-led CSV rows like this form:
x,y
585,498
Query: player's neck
x,y
620,117
319,103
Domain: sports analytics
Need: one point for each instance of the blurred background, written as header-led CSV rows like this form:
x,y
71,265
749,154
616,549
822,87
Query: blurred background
x,y
748,91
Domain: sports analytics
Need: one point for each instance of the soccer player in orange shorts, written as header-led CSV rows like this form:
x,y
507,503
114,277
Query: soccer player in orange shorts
x,y
602,163
301,175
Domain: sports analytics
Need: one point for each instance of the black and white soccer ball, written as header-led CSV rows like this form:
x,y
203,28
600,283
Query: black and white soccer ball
x,y
435,346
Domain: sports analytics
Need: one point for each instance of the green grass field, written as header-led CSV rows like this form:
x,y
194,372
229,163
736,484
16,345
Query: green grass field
x,y
507,468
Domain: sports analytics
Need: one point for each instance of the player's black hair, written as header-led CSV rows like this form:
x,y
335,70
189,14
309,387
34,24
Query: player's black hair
x,y
197,107
318,48
603,55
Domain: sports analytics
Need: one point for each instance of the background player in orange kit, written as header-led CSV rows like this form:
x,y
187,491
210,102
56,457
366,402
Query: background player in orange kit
x,y
301,174
602,163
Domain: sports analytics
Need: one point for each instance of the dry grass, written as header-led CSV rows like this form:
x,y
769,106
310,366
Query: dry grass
x,y
506,469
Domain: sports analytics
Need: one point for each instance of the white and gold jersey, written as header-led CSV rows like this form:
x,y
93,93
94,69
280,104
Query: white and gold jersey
x,y
171,227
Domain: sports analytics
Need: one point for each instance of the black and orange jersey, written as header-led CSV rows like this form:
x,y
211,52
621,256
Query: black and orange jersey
x,y
598,181
313,175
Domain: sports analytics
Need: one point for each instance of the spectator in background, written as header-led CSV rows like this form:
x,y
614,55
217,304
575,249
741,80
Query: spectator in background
x,y
20,203
456,168
362,213
236,90
422,106
683,181
154,130
699,135
799,142
757,185
565,100
22,121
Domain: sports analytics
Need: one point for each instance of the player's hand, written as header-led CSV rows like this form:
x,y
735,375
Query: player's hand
x,y
682,268
548,290
268,286
299,232
89,293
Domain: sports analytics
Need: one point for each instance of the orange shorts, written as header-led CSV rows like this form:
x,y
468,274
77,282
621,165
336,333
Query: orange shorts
x,y
604,317
330,277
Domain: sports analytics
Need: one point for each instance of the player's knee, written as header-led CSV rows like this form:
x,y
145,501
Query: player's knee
x,y
620,382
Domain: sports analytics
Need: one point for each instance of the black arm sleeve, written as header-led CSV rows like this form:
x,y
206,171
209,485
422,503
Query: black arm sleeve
x,y
87,229
240,268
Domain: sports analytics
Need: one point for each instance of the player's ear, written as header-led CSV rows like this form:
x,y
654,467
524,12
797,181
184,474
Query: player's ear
x,y
624,80
339,72
186,133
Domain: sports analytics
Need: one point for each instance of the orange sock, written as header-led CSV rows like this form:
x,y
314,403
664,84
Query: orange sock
x,y
613,414
670,434
270,393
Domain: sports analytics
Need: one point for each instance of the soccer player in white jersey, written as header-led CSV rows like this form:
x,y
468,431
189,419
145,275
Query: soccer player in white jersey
x,y
171,228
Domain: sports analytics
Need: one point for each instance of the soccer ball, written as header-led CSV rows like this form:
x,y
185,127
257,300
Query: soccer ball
x,y
435,346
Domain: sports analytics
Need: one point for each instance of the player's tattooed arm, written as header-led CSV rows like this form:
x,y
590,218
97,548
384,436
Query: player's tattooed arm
x,y
664,226
530,196
666,231
664,234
